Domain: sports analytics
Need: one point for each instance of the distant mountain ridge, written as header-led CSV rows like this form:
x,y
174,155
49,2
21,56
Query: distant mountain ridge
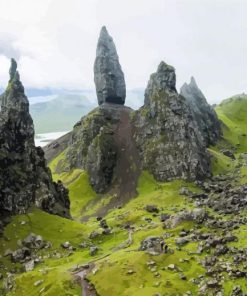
x,y
59,112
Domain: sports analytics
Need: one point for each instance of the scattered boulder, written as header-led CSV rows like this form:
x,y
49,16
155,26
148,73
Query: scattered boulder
x,y
184,191
93,250
164,217
153,245
180,241
151,209
33,241
66,245
29,266
94,234
103,224
20,254
228,153
83,245
38,283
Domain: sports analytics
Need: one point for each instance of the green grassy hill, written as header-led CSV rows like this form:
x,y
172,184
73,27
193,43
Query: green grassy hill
x,y
120,268
232,112
59,114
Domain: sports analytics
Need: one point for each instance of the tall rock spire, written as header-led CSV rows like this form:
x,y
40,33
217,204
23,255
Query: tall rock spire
x,y
163,79
168,138
108,75
25,180
204,114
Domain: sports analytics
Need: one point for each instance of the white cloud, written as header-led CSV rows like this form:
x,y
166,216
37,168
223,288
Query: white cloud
x,y
54,41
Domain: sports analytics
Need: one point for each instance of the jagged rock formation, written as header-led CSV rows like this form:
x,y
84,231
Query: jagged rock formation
x,y
92,147
25,179
163,79
108,75
204,114
168,137
102,144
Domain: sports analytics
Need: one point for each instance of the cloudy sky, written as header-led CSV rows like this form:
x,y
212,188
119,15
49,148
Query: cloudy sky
x,y
54,41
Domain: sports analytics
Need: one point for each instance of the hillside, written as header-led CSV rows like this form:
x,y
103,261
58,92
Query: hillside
x,y
135,272
157,196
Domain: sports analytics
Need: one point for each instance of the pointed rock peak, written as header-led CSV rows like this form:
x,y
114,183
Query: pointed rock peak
x,y
108,74
14,81
13,68
104,31
193,81
164,79
163,67
191,89
105,43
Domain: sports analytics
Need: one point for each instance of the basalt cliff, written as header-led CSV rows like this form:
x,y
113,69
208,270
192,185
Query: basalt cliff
x,y
25,179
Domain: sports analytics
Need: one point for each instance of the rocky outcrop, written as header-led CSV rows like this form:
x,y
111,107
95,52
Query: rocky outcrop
x,y
203,113
163,79
25,180
108,75
100,147
92,147
167,135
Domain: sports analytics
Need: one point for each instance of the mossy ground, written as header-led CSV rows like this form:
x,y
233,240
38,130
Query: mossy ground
x,y
112,276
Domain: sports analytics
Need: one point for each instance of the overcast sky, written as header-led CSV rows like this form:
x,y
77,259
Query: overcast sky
x,y
54,41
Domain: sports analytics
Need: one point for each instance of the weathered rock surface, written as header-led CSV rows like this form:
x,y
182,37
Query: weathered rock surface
x,y
167,135
25,179
108,75
163,137
204,114
102,144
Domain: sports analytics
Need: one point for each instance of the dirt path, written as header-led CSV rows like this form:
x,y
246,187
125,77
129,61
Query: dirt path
x,y
87,288
127,169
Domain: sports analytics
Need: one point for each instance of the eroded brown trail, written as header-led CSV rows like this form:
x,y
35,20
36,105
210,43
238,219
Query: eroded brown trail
x,y
87,288
127,170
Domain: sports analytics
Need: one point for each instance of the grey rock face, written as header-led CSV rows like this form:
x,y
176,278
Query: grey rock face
x,y
163,79
167,135
93,145
203,113
25,179
12,70
108,75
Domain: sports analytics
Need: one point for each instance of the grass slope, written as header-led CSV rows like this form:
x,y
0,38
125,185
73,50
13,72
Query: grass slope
x,y
111,276
232,112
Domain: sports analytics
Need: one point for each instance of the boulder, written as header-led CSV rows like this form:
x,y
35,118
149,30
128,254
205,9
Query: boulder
x,y
153,245
93,250
151,209
20,254
29,266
